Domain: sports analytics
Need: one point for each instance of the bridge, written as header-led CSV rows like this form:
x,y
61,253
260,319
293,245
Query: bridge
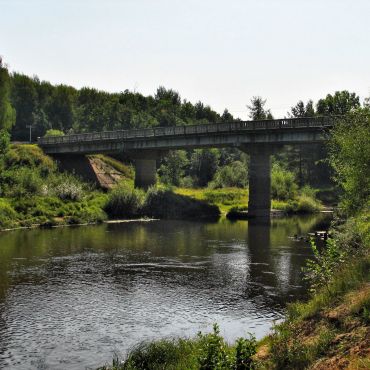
x,y
257,138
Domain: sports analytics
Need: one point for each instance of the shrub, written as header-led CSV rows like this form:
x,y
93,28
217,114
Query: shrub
x,y
283,186
69,191
124,201
53,132
232,175
8,215
28,155
162,354
163,203
214,351
303,204
245,349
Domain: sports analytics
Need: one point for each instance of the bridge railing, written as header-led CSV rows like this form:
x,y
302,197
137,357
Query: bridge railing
x,y
285,123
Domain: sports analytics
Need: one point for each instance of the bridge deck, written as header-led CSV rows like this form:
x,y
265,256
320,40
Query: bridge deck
x,y
159,137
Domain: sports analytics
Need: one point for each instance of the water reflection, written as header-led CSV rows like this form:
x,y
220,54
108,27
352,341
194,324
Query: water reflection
x,y
69,297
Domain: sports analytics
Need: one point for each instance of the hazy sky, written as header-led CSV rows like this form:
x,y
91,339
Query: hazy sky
x,y
217,51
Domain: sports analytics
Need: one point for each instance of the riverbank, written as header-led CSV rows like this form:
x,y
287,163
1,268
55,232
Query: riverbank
x,y
34,193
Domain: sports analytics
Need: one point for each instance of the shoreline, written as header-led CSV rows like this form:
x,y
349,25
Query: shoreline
x,y
42,226
274,214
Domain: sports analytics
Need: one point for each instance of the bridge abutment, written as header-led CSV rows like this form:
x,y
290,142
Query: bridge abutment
x,y
77,164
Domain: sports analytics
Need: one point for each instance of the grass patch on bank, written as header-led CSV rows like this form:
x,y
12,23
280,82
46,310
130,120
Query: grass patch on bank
x,y
232,199
224,199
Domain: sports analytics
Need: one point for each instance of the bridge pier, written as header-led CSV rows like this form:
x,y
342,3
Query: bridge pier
x,y
145,173
259,203
145,163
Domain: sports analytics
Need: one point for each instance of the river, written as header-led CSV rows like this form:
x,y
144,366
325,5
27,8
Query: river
x,y
71,298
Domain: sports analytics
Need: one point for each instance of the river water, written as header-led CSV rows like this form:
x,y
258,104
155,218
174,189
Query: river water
x,y
71,298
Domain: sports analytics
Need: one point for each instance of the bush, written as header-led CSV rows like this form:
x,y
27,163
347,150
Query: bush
x,y
53,132
124,201
232,175
163,203
303,204
8,215
245,349
283,186
214,351
162,354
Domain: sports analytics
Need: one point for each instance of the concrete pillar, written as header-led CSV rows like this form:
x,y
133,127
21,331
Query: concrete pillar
x,y
145,163
145,173
259,204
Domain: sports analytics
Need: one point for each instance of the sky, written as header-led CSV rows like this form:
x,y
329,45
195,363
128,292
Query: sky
x,y
221,52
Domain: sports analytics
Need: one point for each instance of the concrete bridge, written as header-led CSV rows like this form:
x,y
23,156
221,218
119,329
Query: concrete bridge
x,y
258,138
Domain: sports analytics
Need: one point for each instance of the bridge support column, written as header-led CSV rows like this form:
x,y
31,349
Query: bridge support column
x,y
145,173
259,204
145,163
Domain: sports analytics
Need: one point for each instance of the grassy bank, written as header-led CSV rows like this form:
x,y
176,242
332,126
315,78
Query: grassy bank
x,y
227,199
33,192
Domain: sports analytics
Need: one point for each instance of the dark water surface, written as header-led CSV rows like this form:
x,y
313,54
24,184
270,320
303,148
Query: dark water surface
x,y
71,297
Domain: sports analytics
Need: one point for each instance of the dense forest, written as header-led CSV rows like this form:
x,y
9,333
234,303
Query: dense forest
x,y
62,109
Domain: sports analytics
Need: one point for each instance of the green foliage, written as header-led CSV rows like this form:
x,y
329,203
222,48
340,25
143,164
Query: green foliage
x,y
244,350
124,201
206,351
31,156
341,103
350,157
64,108
257,109
163,203
203,165
283,185
7,112
162,354
288,351
232,175
301,110
8,216
214,351
173,167
4,142
303,204
53,132
321,270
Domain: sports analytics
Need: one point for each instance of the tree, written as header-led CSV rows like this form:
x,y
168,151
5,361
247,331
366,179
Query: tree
x,y
25,101
301,110
350,157
227,116
7,112
257,110
341,103
173,167
204,164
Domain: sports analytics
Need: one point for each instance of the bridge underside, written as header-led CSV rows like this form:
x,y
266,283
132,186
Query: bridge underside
x,y
259,139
